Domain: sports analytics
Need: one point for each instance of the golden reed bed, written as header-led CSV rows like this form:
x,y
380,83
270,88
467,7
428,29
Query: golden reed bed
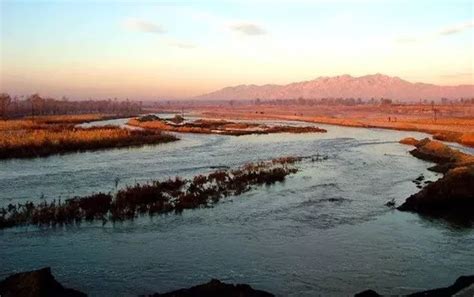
x,y
452,123
46,136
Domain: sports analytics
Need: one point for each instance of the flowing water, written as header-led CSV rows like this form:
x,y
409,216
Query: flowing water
x,y
325,231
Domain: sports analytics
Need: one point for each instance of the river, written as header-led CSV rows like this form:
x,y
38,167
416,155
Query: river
x,y
325,231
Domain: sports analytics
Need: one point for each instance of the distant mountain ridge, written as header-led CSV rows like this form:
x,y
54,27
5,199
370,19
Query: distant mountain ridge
x,y
345,86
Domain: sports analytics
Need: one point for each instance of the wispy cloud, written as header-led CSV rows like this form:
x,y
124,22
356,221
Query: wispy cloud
x,y
248,28
143,26
457,28
224,24
442,32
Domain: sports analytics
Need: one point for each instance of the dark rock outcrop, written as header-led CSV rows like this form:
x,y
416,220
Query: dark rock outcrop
x,y
452,196
461,283
367,293
37,283
216,288
463,287
41,283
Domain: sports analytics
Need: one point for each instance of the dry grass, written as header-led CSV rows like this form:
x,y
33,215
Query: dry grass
x,y
72,119
438,152
11,125
43,122
453,123
55,135
467,139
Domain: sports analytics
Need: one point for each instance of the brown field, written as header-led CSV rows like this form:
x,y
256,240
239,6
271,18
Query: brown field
x,y
44,136
452,123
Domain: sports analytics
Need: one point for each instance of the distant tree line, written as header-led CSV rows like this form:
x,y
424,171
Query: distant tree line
x,y
34,105
324,101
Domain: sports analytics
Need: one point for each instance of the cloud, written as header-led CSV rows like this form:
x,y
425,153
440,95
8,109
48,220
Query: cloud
x,y
247,28
456,29
443,32
182,45
143,26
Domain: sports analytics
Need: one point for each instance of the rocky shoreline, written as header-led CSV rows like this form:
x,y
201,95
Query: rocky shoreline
x,y
36,283
462,287
41,283
452,196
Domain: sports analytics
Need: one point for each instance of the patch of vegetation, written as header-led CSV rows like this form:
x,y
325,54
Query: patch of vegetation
x,y
47,136
435,151
207,126
157,197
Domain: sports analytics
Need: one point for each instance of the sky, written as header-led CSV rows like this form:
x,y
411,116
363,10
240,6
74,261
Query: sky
x,y
177,49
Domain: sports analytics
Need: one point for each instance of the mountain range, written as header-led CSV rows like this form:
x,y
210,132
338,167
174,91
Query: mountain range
x,y
345,86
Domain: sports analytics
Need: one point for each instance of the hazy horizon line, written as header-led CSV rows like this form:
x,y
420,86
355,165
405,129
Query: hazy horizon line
x,y
231,86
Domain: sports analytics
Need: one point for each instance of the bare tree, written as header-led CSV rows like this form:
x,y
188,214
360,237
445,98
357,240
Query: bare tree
x,y
5,100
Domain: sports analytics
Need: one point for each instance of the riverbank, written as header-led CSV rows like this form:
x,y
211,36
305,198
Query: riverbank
x,y
447,125
50,135
452,196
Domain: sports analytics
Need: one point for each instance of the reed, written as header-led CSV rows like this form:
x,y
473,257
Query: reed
x,y
46,136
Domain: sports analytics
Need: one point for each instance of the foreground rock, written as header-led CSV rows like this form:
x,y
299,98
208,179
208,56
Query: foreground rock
x,y
463,287
41,283
37,283
216,288
452,196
